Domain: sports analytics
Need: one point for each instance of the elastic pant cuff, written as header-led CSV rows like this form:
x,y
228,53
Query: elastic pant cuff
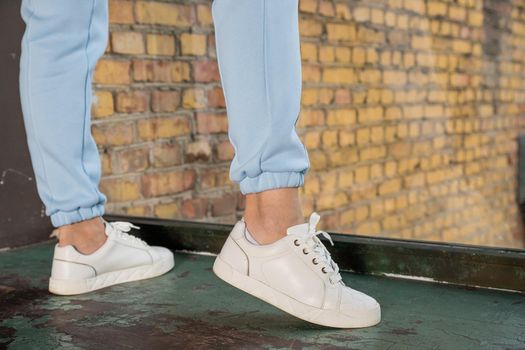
x,y
62,218
269,181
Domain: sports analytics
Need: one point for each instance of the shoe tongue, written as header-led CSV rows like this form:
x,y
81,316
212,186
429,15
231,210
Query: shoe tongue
x,y
300,230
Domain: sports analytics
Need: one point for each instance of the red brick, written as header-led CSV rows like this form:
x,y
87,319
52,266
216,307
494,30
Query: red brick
x,y
205,71
165,101
216,98
149,70
225,151
224,205
208,123
194,208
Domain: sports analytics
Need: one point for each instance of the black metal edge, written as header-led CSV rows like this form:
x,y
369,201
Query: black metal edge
x,y
477,266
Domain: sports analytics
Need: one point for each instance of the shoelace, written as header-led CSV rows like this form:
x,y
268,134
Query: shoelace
x,y
322,254
120,229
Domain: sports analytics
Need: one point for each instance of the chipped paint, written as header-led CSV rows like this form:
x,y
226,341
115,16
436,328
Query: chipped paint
x,y
189,308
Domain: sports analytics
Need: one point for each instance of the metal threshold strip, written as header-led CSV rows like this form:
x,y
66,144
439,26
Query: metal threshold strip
x,y
474,266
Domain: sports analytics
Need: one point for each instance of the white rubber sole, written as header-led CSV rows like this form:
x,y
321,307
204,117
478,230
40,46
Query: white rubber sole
x,y
74,287
328,318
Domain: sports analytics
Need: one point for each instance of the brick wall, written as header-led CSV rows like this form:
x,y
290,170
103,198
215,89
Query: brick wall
x,y
411,111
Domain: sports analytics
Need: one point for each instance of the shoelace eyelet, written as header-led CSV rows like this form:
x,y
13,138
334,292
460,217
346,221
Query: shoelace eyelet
x,y
314,261
324,270
305,252
296,242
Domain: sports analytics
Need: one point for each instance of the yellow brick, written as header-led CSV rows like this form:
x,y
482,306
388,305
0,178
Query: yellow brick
x,y
372,56
363,136
308,6
421,42
326,54
127,42
377,16
386,57
370,76
312,139
309,52
346,179
361,174
342,54
167,210
103,105
343,156
346,138
457,13
194,98
358,56
342,11
121,12
339,76
180,71
331,201
475,18
344,117
340,32
310,27
112,72
150,129
329,138
369,229
361,213
372,153
160,44
377,134
153,12
369,114
390,186
462,46
120,190
393,113
436,8
391,77
417,6
361,14
204,14
390,19
311,73
193,44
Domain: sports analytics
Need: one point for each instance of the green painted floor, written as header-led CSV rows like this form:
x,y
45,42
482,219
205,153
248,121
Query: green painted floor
x,y
190,308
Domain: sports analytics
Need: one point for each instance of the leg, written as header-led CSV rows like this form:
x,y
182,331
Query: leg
x,y
258,52
259,61
61,45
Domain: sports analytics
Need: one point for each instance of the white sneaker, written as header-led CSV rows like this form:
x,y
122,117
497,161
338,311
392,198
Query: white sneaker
x,y
297,275
122,258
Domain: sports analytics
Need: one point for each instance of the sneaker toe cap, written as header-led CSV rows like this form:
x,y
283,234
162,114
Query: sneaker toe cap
x,y
358,305
161,253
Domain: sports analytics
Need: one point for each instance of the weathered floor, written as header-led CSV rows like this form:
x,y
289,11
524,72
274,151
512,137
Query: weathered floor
x,y
190,308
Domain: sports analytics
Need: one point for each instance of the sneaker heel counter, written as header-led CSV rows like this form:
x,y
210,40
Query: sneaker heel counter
x,y
66,270
234,256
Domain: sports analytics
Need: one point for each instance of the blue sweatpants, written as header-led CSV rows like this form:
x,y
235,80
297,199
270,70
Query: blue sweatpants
x,y
259,61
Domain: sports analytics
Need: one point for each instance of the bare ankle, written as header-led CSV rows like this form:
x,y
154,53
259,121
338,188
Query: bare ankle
x,y
268,214
86,236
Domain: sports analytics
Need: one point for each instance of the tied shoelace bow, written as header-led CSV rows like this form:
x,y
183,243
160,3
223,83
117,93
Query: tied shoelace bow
x,y
315,244
121,229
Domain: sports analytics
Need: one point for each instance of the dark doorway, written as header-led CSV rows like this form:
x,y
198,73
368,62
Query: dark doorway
x,y
22,219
